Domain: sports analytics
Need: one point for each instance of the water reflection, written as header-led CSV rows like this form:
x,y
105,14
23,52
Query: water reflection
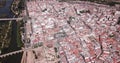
x,y
5,10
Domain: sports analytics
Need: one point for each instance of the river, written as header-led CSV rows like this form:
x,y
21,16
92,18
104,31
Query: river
x,y
13,43
6,9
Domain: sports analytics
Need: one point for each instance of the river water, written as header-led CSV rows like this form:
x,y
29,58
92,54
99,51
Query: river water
x,y
6,9
13,44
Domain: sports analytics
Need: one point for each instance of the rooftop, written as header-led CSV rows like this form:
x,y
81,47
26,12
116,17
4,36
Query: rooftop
x,y
77,32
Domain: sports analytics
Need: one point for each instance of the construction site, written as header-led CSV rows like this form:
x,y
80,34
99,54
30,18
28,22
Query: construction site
x,y
62,31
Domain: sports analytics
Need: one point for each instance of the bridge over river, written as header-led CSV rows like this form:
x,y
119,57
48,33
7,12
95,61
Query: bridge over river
x,y
14,52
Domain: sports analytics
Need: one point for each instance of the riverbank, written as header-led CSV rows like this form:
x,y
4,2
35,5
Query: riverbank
x,y
16,11
14,7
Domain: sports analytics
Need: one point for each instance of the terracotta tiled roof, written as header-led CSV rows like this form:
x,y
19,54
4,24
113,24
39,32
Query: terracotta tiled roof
x,y
81,31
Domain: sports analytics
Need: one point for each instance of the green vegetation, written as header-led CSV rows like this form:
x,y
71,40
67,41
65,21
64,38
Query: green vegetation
x,y
17,9
38,44
19,41
111,35
5,34
21,5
